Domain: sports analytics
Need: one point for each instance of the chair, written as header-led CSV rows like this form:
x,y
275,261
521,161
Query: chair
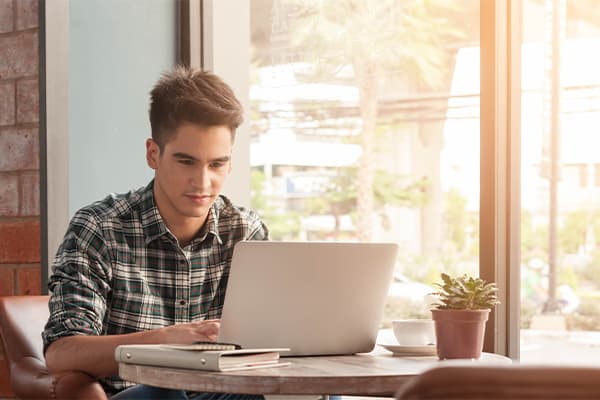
x,y
22,320
503,382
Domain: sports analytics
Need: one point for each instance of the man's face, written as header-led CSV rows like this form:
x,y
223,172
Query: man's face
x,y
190,172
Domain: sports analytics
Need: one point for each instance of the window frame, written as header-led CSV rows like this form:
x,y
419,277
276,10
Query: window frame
x,y
54,130
500,190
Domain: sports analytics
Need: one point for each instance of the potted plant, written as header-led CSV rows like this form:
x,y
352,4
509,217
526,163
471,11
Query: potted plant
x,y
461,311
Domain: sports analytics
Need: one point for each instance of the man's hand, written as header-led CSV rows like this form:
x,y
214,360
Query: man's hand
x,y
207,330
94,355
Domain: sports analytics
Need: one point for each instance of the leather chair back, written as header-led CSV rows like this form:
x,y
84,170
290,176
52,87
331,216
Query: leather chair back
x,y
522,382
22,319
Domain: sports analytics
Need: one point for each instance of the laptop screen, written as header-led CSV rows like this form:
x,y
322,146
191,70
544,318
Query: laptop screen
x,y
315,298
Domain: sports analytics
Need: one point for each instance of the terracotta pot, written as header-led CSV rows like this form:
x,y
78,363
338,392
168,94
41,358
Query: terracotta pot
x,y
459,333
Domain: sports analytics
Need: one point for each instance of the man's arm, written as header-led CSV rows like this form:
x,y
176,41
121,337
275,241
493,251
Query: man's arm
x,y
94,355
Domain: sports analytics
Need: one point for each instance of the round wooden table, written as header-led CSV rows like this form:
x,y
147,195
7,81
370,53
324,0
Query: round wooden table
x,y
372,374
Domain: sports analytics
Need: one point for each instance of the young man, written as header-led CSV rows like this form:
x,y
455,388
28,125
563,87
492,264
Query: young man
x,y
151,266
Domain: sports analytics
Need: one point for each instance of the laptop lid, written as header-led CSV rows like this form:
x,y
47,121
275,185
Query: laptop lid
x,y
315,298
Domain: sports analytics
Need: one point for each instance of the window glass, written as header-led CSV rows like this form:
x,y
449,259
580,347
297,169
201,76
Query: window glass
x,y
365,127
560,218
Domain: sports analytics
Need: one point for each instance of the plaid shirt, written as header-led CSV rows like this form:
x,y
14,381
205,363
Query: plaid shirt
x,y
120,270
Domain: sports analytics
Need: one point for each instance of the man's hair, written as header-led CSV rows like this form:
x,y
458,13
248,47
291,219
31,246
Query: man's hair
x,y
186,94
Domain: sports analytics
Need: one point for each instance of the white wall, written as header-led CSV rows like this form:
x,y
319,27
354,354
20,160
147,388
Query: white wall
x,y
117,50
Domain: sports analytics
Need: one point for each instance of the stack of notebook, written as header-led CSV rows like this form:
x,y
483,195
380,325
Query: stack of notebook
x,y
209,357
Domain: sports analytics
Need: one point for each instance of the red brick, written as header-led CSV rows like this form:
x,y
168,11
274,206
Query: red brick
x,y
28,106
9,195
29,280
6,16
5,390
7,281
30,194
19,148
20,241
27,14
7,104
19,55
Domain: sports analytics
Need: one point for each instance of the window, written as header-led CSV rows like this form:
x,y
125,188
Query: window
x,y
560,215
486,210
365,127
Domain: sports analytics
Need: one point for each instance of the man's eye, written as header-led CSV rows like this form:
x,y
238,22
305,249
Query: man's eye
x,y
186,162
217,164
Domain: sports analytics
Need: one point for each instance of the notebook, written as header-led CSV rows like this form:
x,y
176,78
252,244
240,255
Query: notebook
x,y
315,298
192,357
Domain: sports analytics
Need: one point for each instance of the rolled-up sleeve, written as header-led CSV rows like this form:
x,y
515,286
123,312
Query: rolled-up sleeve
x,y
79,283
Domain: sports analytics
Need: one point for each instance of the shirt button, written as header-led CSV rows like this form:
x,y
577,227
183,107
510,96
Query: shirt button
x,y
182,302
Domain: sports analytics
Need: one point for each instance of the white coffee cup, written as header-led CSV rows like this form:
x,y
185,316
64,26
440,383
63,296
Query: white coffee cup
x,y
414,332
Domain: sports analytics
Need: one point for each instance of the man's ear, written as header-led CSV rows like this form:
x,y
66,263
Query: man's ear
x,y
152,153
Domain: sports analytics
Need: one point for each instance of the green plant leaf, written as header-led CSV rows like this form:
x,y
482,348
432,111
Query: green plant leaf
x,y
465,293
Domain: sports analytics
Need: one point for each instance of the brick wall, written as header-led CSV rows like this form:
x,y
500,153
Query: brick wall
x,y
19,155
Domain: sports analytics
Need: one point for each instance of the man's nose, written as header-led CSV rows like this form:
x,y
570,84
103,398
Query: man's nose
x,y
202,178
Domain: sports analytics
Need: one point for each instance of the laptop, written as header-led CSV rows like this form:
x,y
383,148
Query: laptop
x,y
315,298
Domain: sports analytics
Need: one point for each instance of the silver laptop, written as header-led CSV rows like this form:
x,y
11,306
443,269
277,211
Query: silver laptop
x,y
315,298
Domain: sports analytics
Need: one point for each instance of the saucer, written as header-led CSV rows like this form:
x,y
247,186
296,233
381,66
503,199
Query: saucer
x,y
399,350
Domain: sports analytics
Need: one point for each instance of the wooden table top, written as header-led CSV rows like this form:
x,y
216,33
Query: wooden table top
x,y
372,374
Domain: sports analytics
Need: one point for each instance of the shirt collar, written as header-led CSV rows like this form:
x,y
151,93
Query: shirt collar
x,y
152,223
211,225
